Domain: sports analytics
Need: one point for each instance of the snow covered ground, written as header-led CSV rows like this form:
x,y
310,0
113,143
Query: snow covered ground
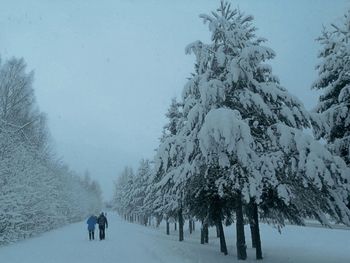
x,y
126,242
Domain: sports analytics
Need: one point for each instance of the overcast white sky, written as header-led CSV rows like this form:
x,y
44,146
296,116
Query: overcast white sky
x,y
105,71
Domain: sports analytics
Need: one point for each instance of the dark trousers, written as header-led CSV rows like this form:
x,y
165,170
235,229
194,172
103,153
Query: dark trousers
x,y
102,232
92,234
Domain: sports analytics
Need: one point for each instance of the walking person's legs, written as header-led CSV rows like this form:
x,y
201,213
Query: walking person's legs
x,y
100,228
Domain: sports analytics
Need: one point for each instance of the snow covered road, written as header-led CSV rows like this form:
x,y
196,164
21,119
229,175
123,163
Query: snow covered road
x,y
127,242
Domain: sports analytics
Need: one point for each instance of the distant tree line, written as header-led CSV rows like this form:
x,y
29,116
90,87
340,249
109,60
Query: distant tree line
x,y
234,150
37,191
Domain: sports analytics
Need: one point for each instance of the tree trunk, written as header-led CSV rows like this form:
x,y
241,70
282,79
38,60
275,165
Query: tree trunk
x,y
240,243
223,247
158,221
257,232
206,233
190,225
252,230
181,225
217,231
175,226
193,226
167,227
202,233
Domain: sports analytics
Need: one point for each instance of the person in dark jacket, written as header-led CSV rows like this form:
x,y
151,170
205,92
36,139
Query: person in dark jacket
x,y
102,225
91,222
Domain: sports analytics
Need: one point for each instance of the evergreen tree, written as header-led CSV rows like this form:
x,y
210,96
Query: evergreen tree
x,y
123,193
141,182
168,165
334,81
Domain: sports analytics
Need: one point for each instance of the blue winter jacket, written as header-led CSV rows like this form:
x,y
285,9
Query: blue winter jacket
x,y
91,222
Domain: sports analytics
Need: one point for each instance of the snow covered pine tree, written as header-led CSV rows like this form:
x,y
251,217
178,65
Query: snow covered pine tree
x,y
168,182
334,79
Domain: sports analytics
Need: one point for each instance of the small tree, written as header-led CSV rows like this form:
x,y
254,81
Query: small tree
x,y
123,193
141,182
168,168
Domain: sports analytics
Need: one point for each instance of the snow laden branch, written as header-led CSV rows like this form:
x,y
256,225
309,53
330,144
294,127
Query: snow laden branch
x,y
226,139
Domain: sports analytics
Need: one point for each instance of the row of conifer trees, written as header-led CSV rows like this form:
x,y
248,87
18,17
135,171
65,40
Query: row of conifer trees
x,y
234,149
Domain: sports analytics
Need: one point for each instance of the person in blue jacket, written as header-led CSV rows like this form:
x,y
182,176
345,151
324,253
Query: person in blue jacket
x,y
91,222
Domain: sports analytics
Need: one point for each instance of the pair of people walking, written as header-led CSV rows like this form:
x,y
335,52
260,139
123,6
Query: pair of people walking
x,y
102,222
